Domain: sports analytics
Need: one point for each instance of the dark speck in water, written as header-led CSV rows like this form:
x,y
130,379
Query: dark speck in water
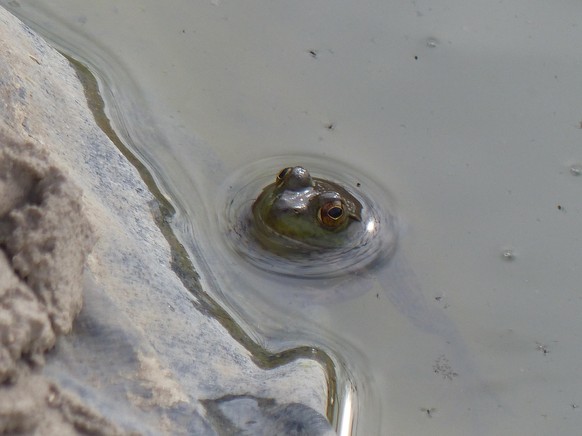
x,y
543,348
429,412
443,368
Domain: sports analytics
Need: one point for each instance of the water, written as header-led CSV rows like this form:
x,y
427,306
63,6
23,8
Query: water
x,y
467,115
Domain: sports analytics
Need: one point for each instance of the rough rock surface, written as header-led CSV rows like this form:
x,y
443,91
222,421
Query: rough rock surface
x,y
35,406
141,357
43,230
44,241
245,415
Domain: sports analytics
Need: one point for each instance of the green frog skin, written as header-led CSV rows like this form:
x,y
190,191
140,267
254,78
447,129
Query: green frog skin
x,y
309,210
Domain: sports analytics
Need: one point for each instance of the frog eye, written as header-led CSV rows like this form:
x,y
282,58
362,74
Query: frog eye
x,y
283,173
331,214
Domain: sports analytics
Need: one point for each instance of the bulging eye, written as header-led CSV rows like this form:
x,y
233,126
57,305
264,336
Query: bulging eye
x,y
331,214
283,173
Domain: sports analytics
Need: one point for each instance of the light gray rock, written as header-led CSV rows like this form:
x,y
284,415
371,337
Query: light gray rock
x,y
246,415
143,355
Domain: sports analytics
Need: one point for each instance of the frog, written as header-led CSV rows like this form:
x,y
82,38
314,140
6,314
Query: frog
x,y
310,211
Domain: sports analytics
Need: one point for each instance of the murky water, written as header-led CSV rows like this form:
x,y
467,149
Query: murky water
x,y
466,115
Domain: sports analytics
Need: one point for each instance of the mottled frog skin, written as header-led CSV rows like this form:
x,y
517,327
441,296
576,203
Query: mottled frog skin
x,y
309,210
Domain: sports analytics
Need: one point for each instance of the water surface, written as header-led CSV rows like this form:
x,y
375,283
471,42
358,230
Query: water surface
x,y
466,114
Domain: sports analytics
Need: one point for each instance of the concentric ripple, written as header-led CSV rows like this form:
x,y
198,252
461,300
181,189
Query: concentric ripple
x,y
371,240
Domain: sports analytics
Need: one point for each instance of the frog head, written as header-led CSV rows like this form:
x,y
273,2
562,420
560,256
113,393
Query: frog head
x,y
306,209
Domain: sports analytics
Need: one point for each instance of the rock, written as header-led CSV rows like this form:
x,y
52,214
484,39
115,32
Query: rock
x,y
246,415
145,353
